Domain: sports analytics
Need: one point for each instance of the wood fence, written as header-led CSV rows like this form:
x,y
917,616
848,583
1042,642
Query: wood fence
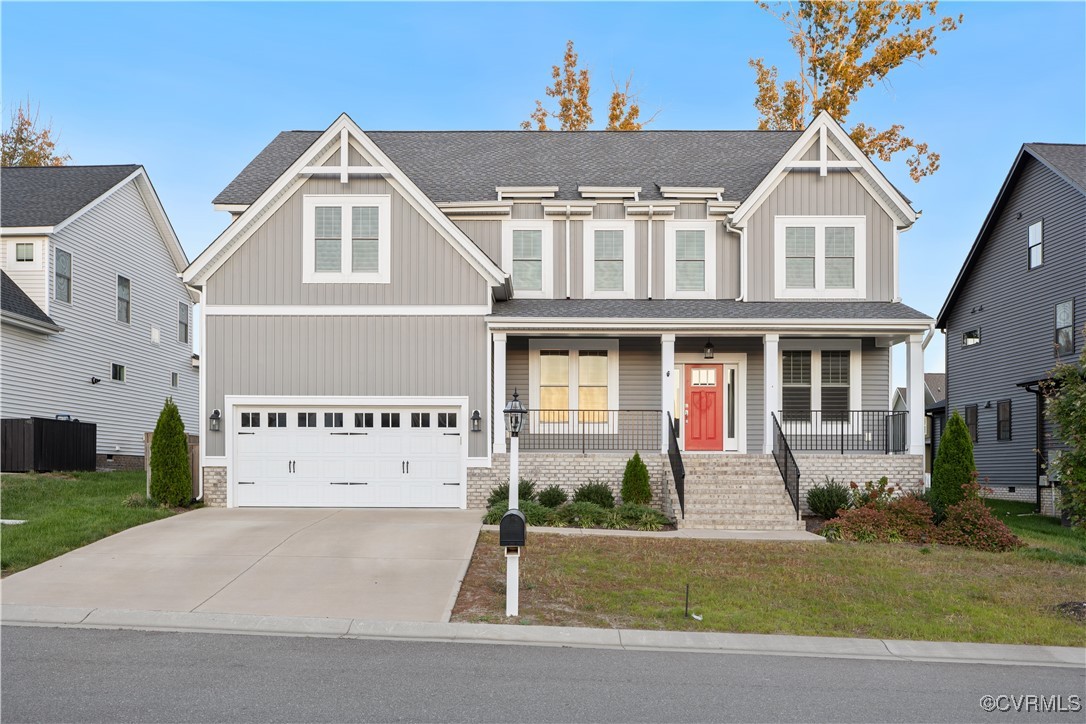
x,y
194,461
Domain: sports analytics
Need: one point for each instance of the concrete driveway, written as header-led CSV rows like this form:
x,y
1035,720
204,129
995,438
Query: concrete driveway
x,y
375,564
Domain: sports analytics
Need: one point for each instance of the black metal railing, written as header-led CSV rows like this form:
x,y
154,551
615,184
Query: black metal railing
x,y
786,463
871,431
591,430
678,470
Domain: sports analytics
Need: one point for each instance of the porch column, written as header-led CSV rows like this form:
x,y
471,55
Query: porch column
x,y
498,415
914,358
667,384
772,371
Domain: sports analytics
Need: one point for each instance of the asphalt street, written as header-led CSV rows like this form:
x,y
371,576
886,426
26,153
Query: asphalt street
x,y
81,675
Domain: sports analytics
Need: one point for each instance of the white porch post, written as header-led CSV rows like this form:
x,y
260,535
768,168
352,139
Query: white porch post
x,y
667,384
497,415
914,357
772,386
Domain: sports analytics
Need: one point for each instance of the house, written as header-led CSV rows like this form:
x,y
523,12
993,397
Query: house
x,y
934,392
378,297
96,323
1016,310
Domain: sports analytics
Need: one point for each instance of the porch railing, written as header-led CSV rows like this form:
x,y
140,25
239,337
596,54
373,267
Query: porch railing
x,y
786,463
678,470
871,431
592,430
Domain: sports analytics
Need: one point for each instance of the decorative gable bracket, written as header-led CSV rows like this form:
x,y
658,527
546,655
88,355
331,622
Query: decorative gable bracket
x,y
344,170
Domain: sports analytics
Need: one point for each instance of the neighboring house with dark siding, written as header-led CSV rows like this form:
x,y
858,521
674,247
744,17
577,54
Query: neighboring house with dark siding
x,y
1016,309
96,323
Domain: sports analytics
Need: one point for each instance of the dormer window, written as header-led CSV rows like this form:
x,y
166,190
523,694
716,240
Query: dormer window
x,y
609,259
527,254
346,239
690,264
820,257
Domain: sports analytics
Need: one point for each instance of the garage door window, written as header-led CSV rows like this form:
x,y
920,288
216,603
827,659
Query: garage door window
x,y
363,419
277,419
250,419
390,419
420,419
446,419
307,419
333,419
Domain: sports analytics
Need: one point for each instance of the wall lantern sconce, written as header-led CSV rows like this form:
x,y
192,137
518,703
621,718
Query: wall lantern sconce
x,y
988,405
95,380
476,419
215,420
709,352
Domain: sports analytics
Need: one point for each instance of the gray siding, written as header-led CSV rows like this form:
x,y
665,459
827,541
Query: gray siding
x,y
692,210
1014,307
486,234
425,268
875,379
347,356
727,264
45,375
609,211
808,194
527,211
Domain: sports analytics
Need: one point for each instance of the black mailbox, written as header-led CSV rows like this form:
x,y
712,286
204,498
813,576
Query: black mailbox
x,y
512,530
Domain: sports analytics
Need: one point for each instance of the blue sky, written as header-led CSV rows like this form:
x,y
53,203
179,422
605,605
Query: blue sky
x,y
194,90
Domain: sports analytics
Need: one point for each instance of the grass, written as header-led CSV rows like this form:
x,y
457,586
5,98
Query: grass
x,y
933,593
1046,538
65,511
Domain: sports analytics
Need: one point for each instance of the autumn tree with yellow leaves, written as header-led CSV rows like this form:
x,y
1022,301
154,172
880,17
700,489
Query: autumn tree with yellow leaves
x,y
843,48
26,142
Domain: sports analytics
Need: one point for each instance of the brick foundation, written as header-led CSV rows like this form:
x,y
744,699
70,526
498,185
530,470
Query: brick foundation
x,y
1050,501
215,487
110,463
905,472
1021,494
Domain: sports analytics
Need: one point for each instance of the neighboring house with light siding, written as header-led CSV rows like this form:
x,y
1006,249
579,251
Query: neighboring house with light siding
x,y
1016,309
96,323
379,296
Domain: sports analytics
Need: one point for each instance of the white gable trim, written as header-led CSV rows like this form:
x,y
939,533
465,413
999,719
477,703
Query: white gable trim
x,y
215,255
821,129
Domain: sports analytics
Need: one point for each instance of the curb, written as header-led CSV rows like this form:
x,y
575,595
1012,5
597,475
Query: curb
x,y
562,636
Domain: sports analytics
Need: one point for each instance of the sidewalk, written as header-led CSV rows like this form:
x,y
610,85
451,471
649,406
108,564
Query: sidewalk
x,y
626,639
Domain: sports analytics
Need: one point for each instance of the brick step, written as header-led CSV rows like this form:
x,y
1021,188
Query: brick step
x,y
740,508
746,487
732,525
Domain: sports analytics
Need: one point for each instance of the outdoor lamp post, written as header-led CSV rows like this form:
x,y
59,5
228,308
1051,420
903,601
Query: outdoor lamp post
x,y
514,420
512,526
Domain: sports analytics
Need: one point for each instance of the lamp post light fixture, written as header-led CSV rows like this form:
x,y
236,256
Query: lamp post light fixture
x,y
514,421
214,420
709,349
476,420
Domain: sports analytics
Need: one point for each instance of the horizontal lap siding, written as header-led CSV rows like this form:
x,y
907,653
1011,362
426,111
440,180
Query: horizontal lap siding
x,y
347,356
1014,307
875,376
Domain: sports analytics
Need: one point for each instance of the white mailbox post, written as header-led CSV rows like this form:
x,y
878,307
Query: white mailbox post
x,y
513,526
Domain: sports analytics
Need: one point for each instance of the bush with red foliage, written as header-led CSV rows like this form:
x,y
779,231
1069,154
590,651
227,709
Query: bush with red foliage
x,y
903,519
971,524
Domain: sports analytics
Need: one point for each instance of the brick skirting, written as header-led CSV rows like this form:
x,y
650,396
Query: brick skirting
x,y
215,487
905,472
110,463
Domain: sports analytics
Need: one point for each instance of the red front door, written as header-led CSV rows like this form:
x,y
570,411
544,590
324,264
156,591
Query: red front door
x,y
704,407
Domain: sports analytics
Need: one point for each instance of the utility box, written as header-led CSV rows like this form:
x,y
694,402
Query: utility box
x,y
512,530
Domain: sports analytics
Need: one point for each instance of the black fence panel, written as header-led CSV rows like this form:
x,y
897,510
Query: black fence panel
x,y
41,445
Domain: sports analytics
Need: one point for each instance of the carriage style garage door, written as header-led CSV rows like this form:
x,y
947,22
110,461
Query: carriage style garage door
x,y
382,457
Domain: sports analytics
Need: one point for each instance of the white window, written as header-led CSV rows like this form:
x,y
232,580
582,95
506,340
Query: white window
x,y
346,239
62,276
820,257
124,300
22,254
174,379
820,380
971,337
690,264
24,251
117,372
1036,245
608,259
182,322
528,256
573,381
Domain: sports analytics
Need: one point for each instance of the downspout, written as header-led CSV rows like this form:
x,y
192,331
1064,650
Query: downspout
x,y
569,259
650,251
742,259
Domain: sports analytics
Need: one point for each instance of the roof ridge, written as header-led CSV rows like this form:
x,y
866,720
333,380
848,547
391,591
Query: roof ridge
x,y
77,165
535,132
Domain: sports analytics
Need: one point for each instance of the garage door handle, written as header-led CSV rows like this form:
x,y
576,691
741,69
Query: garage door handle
x,y
453,433
246,482
450,483
357,483
340,433
339,483
358,433
246,433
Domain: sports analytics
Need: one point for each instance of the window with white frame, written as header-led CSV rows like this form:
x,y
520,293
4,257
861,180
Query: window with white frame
x,y
796,385
62,276
346,239
527,254
1036,245
820,380
24,251
690,262
573,381
609,259
124,299
820,257
182,322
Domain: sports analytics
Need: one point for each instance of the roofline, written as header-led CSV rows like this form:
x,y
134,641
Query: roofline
x,y
874,326
1074,184
26,230
974,250
35,325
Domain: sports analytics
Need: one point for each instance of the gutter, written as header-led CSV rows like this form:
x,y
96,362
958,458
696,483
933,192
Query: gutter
x,y
34,325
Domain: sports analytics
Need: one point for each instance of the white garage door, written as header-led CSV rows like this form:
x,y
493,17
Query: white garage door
x,y
348,457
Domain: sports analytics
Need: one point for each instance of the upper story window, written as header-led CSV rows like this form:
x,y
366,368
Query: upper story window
x,y
24,251
971,422
346,239
971,337
609,259
1036,245
690,261
528,256
1003,420
124,300
820,257
182,322
62,276
1065,327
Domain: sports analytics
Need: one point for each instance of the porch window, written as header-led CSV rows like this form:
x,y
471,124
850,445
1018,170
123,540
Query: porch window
x,y
835,385
592,385
553,385
796,385
572,380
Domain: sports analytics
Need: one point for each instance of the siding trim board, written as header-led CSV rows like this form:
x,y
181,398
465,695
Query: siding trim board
x,y
328,310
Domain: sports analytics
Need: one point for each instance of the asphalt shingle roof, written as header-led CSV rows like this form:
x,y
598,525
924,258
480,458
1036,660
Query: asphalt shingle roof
x,y
47,195
701,309
468,165
15,301
1068,158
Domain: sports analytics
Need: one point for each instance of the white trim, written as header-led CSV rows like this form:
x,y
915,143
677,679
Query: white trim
x,y
202,429
344,310
722,358
34,325
573,346
858,327
610,192
667,385
897,281
545,226
771,387
859,289
709,193
40,249
855,368
525,192
629,260
573,207
232,208
486,210
650,208
26,230
51,277
345,202
722,208
670,263
498,384
344,172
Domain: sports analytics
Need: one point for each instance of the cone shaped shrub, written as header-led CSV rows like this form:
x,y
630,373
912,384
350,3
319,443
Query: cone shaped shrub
x,y
635,482
954,466
171,479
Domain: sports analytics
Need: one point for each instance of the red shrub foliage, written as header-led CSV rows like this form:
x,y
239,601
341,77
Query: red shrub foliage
x,y
971,524
904,519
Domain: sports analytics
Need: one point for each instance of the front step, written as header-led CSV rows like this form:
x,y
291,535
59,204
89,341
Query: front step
x,y
735,492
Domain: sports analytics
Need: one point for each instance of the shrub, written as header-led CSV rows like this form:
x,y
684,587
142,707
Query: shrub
x,y
970,523
581,514
635,481
863,525
826,499
911,518
902,519
872,494
552,496
534,513
953,464
925,496
171,479
595,492
642,517
1066,396
525,491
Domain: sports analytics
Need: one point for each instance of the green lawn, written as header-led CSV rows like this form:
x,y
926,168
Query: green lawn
x,y
64,511
1046,538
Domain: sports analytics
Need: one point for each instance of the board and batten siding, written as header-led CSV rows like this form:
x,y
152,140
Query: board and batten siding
x,y
425,267
46,375
803,193
355,356
1014,309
